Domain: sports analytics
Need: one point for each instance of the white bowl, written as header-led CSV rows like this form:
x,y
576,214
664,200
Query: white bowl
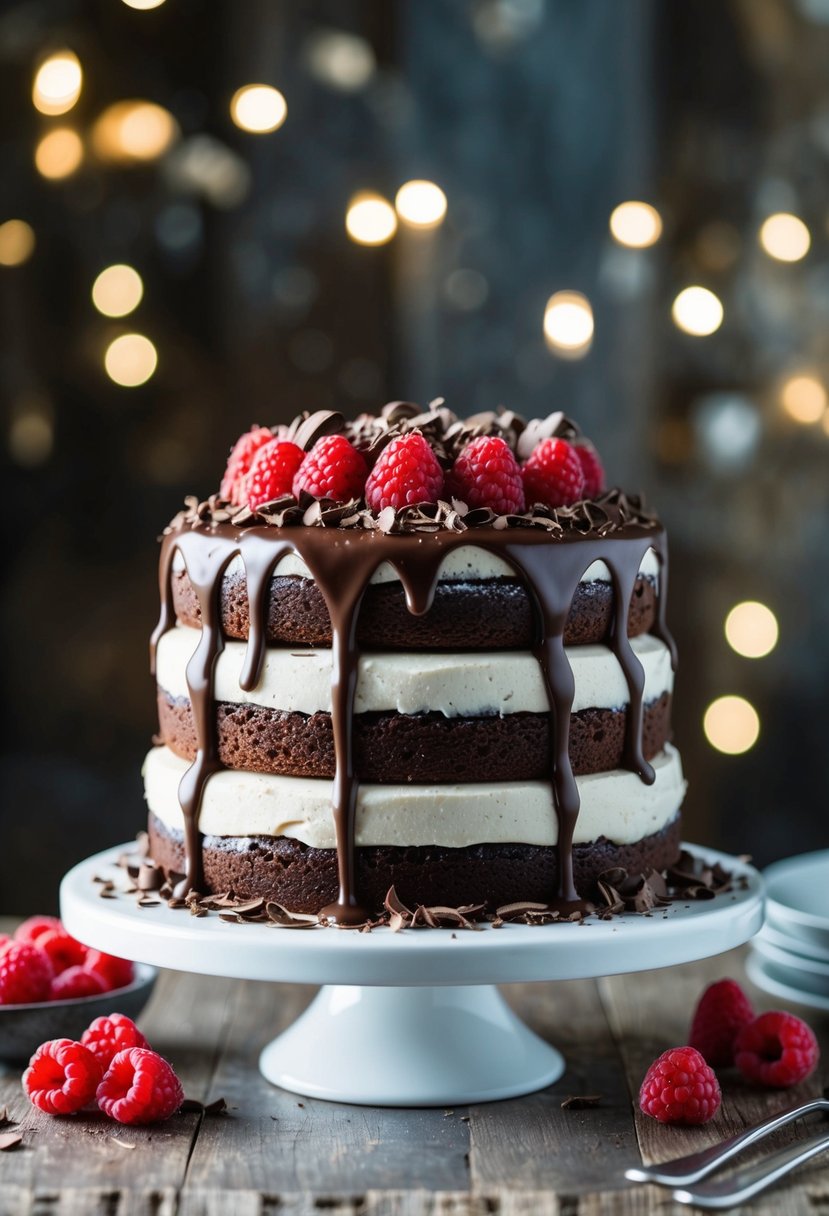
x,y
797,898
792,945
777,981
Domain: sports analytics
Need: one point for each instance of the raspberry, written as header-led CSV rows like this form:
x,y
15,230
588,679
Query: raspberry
x,y
332,469
553,474
235,480
115,972
680,1087
62,949
776,1049
75,982
722,1010
30,930
139,1087
62,1077
406,473
107,1036
272,472
592,470
25,974
486,474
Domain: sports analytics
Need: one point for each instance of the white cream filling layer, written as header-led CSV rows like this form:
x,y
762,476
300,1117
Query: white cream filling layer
x,y
478,682
616,805
466,562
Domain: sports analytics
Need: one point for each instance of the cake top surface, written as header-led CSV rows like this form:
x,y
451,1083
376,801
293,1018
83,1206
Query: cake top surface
x,y
410,470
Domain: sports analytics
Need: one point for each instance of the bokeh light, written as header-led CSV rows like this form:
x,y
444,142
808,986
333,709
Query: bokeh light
x,y
59,153
785,237
258,108
17,242
697,311
341,60
57,83
636,225
803,398
421,204
130,360
143,6
751,629
134,131
731,725
117,290
568,324
370,219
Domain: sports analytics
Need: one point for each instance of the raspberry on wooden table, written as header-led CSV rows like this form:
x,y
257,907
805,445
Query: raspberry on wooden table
x,y
30,930
25,974
106,1037
776,1049
273,470
486,474
722,1010
592,469
76,982
553,474
680,1087
62,949
234,482
62,1077
139,1087
407,472
115,972
332,469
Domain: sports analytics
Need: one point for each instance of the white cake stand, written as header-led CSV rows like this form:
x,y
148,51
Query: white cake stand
x,y
411,1018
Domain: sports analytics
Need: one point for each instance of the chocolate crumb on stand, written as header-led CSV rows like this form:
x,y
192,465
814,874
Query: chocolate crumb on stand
x,y
589,577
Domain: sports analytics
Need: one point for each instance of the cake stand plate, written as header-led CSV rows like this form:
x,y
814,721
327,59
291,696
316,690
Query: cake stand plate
x,y
411,1018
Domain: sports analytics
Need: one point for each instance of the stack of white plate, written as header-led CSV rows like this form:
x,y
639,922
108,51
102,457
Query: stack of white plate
x,y
790,955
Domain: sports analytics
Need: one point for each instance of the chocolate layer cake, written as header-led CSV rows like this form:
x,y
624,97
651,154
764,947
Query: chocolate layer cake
x,y
427,682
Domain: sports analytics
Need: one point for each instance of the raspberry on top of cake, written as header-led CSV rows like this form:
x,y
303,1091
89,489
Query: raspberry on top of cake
x,y
416,651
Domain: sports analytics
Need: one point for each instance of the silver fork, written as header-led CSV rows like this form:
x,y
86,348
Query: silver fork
x,y
685,1171
749,1181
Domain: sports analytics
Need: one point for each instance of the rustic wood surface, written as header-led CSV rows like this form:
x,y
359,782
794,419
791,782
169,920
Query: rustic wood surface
x,y
275,1153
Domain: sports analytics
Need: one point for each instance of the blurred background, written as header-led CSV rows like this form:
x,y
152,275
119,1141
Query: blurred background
x,y
218,213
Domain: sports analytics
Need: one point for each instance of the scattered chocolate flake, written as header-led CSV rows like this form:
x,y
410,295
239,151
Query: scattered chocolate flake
x,y
581,1101
9,1141
283,919
5,1118
149,877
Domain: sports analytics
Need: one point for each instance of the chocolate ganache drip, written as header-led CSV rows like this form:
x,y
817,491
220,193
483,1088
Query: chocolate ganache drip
x,y
342,562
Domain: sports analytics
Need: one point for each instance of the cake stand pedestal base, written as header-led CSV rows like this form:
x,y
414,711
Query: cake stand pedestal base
x,y
411,1018
462,1045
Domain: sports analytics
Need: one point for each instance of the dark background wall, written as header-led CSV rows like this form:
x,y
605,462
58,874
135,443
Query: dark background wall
x,y
536,118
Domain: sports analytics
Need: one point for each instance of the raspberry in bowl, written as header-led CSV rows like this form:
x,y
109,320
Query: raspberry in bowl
x,y
52,987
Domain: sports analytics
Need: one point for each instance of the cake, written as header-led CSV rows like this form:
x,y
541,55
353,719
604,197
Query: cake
x,y
413,652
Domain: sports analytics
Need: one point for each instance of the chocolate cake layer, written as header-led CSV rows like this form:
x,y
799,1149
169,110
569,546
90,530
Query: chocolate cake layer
x,y
394,748
304,879
492,614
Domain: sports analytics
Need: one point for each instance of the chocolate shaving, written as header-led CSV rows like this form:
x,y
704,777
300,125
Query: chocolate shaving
x,y
5,1118
581,1101
192,1106
122,1143
10,1140
284,919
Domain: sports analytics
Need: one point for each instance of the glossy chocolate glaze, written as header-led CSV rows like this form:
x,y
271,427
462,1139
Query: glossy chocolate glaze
x,y
341,561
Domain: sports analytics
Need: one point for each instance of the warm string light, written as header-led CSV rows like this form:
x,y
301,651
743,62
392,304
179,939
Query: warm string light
x,y
17,242
59,154
731,725
422,204
134,131
57,83
258,108
117,291
751,629
130,360
804,399
636,225
784,237
697,311
568,324
370,219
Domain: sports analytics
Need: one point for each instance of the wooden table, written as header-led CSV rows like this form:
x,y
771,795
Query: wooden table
x,y
278,1155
